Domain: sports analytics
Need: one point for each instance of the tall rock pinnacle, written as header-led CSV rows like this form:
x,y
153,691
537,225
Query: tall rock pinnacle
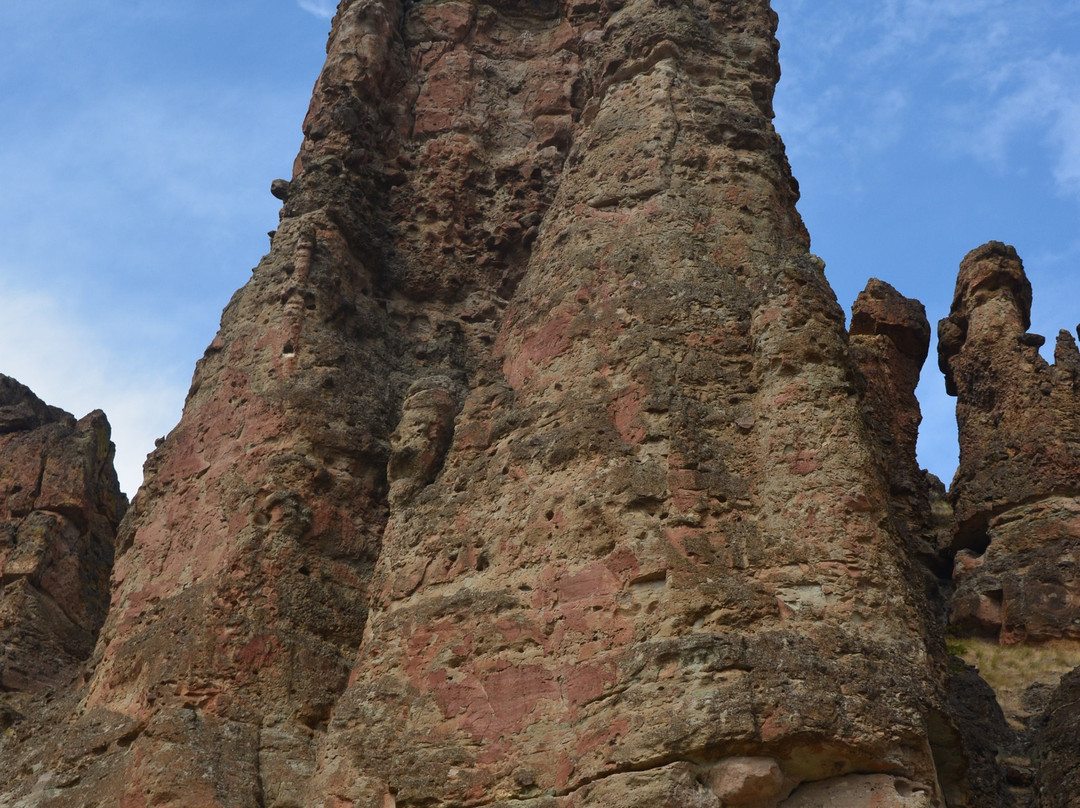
x,y
657,527
1016,491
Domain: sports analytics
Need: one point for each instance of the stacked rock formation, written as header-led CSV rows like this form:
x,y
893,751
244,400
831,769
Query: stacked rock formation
x,y
60,504
534,466
1017,491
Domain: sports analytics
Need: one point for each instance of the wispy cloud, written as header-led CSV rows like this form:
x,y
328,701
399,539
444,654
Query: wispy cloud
x,y
990,77
1022,101
920,128
51,348
320,8
137,199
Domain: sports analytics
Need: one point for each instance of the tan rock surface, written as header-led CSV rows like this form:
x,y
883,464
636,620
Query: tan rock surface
x,y
656,540
1017,507
890,339
862,791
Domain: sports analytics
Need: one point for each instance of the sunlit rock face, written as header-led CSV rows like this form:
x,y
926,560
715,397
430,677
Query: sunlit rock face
x,y
534,464
657,539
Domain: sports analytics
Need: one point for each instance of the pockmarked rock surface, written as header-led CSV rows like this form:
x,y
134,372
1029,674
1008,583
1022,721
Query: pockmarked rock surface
x,y
534,465
1016,532
60,504
890,339
658,526
1017,490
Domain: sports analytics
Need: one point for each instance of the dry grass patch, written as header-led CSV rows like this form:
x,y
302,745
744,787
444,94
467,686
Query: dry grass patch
x,y
1012,669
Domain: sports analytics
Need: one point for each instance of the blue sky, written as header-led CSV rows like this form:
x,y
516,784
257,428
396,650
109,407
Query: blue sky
x,y
920,129
138,140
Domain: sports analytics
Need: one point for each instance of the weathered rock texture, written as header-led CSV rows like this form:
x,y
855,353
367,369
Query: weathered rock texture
x,y
890,339
1058,743
533,465
60,504
1016,534
1017,490
657,529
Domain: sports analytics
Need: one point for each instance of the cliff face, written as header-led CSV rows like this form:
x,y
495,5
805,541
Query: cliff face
x,y
659,500
59,507
534,464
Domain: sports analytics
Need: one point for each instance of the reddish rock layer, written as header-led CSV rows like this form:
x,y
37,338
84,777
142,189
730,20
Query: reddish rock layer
x,y
59,507
241,588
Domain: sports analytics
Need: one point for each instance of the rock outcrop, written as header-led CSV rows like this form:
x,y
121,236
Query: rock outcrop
x,y
60,504
890,339
658,527
1017,491
1016,534
533,466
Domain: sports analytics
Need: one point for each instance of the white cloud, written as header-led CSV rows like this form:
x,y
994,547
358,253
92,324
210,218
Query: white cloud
x,y
320,8
63,359
987,78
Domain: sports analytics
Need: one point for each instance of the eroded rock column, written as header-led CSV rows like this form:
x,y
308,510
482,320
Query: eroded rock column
x,y
656,566
1015,492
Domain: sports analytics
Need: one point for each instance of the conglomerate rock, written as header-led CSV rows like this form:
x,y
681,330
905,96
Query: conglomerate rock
x,y
1017,490
60,503
532,465
890,339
